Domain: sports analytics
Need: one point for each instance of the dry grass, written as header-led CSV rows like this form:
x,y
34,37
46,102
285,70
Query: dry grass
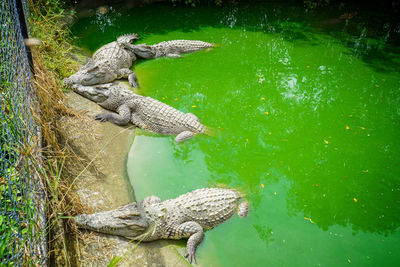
x,y
51,64
60,202
54,59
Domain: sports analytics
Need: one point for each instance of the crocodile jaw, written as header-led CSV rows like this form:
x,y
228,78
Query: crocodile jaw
x,y
98,93
92,74
125,221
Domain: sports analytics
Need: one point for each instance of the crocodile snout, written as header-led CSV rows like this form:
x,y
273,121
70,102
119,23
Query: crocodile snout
x,y
68,81
80,220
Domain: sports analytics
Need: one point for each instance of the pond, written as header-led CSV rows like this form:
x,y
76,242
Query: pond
x,y
304,112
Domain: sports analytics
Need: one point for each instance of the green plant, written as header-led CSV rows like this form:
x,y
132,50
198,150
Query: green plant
x,y
17,216
48,23
312,4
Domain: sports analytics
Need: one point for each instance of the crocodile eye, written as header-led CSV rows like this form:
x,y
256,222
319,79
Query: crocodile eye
x,y
92,69
100,74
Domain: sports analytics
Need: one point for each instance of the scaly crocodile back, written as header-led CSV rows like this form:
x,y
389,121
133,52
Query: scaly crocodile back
x,y
117,56
208,206
161,118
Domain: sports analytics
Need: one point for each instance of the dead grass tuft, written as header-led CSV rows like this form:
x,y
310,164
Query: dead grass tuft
x,y
61,203
51,64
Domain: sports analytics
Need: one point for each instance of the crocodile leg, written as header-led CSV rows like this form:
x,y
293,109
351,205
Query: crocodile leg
x,y
183,136
133,80
122,118
137,121
127,73
195,232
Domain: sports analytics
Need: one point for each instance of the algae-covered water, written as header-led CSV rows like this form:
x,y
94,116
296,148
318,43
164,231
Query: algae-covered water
x,y
304,110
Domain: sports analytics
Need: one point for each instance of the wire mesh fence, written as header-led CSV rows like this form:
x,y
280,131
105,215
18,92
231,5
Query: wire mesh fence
x,y
22,237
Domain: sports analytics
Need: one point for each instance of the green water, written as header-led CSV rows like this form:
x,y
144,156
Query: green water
x,y
305,115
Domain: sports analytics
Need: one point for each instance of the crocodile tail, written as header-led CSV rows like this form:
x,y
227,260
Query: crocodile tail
x,y
209,131
183,46
128,38
199,44
193,45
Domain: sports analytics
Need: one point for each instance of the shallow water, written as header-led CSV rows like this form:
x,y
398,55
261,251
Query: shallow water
x,y
305,113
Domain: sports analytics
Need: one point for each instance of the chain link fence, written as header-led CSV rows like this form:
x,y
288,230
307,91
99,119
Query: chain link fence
x,y
22,231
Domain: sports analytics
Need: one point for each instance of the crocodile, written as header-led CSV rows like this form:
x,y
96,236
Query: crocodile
x,y
186,216
113,61
110,62
168,48
144,112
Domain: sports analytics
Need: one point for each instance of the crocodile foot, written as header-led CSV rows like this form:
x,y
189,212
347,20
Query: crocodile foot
x,y
102,117
185,135
191,256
